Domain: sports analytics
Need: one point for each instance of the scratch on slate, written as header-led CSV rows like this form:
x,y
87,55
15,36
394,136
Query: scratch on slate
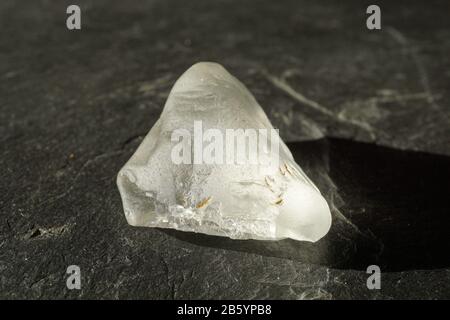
x,y
283,85
299,97
80,172
40,232
412,51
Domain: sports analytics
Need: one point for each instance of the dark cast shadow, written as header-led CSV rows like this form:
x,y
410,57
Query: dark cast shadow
x,y
390,208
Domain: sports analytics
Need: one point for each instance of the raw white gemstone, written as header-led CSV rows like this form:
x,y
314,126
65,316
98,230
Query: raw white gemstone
x,y
238,200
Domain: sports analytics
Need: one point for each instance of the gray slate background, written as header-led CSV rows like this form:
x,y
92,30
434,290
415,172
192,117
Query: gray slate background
x,y
74,105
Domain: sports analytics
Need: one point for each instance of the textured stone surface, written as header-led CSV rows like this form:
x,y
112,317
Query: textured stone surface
x,y
74,106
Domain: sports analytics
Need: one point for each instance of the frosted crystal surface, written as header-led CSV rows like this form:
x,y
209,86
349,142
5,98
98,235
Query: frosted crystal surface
x,y
240,201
